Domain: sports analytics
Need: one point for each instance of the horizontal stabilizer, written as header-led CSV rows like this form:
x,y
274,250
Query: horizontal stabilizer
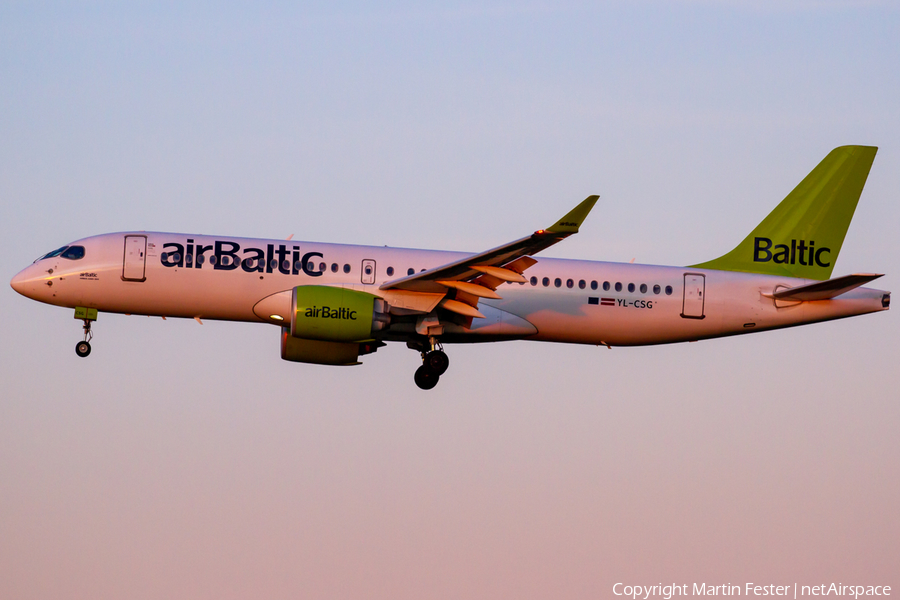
x,y
824,290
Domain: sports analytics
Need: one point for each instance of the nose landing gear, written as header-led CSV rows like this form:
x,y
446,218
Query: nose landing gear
x,y
82,349
434,364
87,315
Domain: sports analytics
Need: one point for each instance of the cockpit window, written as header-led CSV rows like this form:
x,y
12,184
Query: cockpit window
x,y
73,253
56,252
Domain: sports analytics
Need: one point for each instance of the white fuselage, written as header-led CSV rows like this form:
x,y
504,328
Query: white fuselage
x,y
575,301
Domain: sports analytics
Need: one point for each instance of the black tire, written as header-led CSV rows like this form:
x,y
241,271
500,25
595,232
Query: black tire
x,y
82,349
438,361
426,378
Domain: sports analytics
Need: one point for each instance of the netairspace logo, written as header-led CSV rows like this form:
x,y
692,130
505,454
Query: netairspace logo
x,y
749,589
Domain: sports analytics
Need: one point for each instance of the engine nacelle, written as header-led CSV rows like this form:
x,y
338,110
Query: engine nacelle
x,y
317,351
333,314
324,353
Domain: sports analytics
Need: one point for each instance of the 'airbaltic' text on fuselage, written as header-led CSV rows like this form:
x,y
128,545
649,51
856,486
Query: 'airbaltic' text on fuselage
x,y
225,257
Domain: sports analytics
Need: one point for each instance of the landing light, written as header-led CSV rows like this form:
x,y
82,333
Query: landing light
x,y
276,317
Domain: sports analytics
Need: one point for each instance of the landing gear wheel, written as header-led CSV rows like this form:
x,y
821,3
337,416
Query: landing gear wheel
x,y
426,378
438,361
83,348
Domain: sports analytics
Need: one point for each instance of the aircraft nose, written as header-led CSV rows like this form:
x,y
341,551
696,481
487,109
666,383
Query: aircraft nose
x,y
18,282
26,282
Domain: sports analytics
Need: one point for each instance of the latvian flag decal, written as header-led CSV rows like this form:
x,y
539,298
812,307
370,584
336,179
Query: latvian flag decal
x,y
607,301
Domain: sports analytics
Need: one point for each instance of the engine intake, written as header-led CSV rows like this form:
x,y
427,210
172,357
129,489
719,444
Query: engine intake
x,y
335,314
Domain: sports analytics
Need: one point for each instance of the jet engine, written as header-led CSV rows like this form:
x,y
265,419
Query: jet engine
x,y
332,326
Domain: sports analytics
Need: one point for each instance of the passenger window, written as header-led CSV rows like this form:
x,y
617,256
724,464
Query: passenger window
x,y
557,282
545,281
570,284
346,268
334,267
212,259
390,271
643,288
656,289
298,266
630,287
605,286
534,281
668,290
581,284
322,267
593,285
410,271
618,287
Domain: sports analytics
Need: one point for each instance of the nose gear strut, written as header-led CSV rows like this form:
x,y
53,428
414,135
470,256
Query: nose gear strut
x,y
87,315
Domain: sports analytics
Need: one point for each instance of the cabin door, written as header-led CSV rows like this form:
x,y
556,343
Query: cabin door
x,y
135,263
694,291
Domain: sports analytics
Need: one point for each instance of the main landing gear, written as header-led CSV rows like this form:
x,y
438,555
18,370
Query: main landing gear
x,y
434,364
87,315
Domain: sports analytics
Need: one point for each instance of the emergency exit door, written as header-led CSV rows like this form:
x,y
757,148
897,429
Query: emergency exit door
x,y
694,291
368,271
135,263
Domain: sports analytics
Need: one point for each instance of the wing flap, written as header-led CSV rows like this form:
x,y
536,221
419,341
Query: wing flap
x,y
461,308
470,288
501,273
412,301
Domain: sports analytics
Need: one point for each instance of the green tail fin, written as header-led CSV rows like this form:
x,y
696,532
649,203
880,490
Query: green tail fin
x,y
803,235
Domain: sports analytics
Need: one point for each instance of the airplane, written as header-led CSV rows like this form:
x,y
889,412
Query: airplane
x,y
334,303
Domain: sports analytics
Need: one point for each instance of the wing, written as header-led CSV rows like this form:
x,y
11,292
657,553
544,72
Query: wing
x,y
479,275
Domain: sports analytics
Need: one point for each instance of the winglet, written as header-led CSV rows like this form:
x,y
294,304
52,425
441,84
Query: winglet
x,y
575,217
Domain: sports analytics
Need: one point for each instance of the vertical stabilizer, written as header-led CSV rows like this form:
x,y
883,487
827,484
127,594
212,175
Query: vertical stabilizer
x,y
803,235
